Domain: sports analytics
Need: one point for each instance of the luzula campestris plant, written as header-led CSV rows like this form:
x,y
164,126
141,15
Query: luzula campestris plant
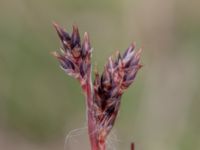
x,y
103,97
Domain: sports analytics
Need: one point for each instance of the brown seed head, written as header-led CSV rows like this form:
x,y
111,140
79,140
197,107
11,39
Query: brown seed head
x,y
75,57
117,76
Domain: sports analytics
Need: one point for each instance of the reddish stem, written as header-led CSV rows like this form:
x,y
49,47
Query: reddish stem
x,y
93,136
132,146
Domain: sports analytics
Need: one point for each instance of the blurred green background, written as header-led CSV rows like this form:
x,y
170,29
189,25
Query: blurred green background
x,y
40,104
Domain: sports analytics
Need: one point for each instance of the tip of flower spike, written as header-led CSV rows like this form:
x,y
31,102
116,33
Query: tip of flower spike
x,y
75,30
110,60
119,57
86,44
116,53
86,37
63,35
138,53
55,54
56,26
133,45
75,37
137,57
130,49
140,66
110,64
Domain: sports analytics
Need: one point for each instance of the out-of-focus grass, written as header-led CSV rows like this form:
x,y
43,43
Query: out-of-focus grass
x,y
39,102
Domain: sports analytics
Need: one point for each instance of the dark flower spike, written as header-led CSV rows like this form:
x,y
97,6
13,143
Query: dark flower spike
x,y
103,97
64,36
72,57
122,74
129,49
75,37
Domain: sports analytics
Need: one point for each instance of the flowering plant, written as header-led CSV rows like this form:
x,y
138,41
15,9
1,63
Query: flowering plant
x,y
103,96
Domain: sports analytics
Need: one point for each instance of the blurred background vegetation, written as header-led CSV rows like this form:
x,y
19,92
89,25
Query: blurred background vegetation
x,y
39,104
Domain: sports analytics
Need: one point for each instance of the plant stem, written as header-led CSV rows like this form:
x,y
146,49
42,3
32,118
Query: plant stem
x,y
92,132
132,146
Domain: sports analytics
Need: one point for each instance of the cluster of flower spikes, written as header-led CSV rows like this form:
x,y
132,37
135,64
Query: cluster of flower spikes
x,y
75,56
117,76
